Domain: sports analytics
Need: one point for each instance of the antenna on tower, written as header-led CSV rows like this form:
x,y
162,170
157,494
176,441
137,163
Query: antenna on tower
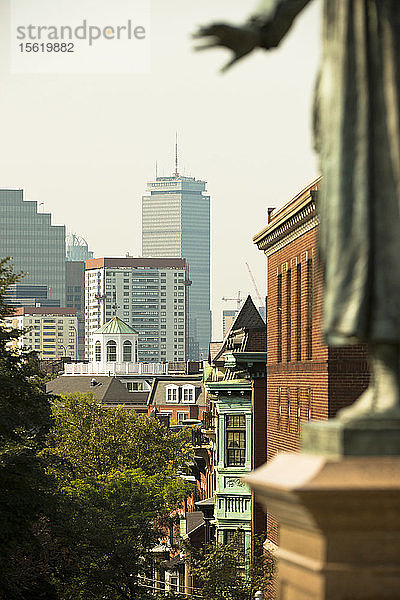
x,y
156,170
176,155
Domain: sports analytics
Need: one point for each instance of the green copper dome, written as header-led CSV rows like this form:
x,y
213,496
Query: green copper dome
x,y
115,326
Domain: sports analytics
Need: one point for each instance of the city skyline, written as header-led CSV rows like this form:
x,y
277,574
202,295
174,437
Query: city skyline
x,y
90,143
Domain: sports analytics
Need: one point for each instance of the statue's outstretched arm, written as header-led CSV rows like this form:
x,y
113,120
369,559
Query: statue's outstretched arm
x,y
274,18
265,29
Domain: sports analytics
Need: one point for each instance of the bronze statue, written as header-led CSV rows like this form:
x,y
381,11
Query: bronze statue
x,y
357,136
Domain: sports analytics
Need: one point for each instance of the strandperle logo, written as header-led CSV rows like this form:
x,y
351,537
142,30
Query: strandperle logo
x,y
80,36
83,31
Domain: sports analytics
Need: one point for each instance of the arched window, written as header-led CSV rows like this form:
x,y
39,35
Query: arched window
x,y
127,351
97,351
111,351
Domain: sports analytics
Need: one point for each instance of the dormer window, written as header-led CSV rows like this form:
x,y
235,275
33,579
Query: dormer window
x,y
171,392
188,394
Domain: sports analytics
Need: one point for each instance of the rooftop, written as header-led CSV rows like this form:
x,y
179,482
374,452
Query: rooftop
x,y
116,325
154,263
288,217
107,389
43,310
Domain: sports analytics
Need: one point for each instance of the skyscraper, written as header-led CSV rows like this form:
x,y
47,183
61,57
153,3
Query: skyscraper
x,y
37,247
176,223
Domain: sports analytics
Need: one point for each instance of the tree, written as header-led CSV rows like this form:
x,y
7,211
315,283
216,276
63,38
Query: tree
x,y
224,571
117,476
25,419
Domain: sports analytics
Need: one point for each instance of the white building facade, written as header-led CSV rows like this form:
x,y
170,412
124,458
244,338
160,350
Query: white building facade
x,y
149,294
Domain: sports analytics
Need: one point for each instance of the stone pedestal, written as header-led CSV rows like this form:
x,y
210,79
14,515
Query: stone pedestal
x,y
339,525
363,437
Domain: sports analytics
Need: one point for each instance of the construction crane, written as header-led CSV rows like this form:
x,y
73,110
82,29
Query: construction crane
x,y
239,300
260,300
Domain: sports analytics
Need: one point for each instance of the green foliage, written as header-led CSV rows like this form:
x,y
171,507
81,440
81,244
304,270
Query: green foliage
x,y
116,473
221,571
91,440
25,419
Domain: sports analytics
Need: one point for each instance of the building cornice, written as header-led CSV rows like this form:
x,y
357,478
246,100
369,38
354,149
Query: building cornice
x,y
290,222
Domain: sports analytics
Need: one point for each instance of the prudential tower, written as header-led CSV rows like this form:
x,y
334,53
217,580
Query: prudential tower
x,y
176,223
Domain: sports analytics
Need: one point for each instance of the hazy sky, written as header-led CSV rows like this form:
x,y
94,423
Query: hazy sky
x,y
86,145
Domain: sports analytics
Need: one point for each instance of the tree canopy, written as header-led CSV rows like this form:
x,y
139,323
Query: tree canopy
x,y
25,419
117,477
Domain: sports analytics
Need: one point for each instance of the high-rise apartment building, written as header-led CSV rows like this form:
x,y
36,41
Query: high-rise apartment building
x,y
149,294
49,331
176,222
37,247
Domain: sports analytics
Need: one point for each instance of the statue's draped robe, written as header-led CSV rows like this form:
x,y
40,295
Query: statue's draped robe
x,y
357,134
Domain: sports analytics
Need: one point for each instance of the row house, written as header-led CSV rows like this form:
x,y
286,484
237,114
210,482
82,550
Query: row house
x,y
235,425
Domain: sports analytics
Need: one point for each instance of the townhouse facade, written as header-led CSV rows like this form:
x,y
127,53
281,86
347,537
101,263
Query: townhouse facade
x,y
235,424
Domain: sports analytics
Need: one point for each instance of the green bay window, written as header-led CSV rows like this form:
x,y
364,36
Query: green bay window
x,y
235,440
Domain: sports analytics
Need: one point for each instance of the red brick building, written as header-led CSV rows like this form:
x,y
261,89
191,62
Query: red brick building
x,y
306,380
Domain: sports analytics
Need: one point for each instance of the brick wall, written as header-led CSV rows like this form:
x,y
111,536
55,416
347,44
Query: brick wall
x,y
306,380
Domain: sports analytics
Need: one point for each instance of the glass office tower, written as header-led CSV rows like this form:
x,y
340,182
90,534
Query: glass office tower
x,y
176,223
37,247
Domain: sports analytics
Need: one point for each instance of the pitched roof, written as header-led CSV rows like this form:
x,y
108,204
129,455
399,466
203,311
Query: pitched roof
x,y
116,325
109,390
248,317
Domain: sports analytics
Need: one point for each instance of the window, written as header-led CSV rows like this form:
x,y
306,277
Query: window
x,y
235,440
279,318
279,410
188,395
127,351
135,386
236,536
309,308
111,351
298,413
309,403
173,582
298,311
97,351
182,416
171,393
288,315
